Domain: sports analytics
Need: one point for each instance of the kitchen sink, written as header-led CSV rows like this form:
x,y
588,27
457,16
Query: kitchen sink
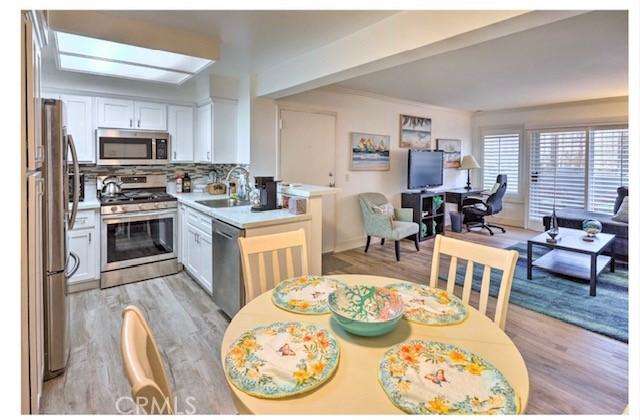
x,y
223,202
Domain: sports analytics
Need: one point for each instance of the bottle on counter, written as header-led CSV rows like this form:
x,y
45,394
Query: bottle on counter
x,y
178,184
186,183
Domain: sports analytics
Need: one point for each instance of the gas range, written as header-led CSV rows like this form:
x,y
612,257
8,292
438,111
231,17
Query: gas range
x,y
139,193
138,230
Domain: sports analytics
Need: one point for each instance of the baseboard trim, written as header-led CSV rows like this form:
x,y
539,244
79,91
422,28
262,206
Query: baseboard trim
x,y
84,285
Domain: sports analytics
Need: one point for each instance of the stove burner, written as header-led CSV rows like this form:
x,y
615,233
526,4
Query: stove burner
x,y
136,197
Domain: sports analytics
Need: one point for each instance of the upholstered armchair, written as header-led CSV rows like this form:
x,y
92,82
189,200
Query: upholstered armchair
x,y
385,222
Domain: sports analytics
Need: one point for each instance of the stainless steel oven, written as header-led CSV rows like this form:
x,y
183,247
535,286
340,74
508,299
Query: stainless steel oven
x,y
132,147
138,245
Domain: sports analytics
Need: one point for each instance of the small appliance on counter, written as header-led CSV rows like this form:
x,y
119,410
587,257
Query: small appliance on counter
x,y
267,190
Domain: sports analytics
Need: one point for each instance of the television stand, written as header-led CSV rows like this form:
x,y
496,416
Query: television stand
x,y
428,212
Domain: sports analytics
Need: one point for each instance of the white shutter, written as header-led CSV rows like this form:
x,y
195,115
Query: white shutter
x,y
608,166
501,156
557,171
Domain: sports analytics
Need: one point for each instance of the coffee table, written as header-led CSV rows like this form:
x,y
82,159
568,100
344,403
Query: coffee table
x,y
572,256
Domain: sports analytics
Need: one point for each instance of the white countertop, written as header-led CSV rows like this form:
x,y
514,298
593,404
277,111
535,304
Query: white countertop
x,y
239,216
306,190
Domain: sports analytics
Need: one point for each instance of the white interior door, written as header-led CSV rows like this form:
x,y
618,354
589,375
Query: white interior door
x,y
307,155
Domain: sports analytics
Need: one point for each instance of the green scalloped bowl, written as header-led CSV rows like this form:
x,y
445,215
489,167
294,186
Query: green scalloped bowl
x,y
346,306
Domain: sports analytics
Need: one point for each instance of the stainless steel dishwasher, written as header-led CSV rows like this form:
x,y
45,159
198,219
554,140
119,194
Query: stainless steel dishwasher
x,y
228,286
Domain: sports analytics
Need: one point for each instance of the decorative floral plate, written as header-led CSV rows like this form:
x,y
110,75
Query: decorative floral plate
x,y
427,377
430,306
306,294
281,359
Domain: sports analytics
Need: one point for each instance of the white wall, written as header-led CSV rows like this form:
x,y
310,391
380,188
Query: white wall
x,y
370,114
610,110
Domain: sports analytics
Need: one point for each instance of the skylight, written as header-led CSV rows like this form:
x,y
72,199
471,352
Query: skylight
x,y
96,56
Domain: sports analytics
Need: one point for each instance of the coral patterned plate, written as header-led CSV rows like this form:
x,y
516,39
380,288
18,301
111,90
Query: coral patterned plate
x,y
305,294
427,377
430,306
281,359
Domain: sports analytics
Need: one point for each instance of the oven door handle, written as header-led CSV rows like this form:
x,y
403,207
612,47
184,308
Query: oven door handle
x,y
138,216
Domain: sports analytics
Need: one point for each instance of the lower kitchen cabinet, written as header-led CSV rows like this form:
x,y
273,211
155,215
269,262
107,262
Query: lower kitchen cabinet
x,y
197,256
84,241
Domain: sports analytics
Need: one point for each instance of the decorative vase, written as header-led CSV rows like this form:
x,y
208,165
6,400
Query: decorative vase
x,y
591,228
553,229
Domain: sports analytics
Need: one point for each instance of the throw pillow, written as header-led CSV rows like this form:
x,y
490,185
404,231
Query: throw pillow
x,y
623,212
385,209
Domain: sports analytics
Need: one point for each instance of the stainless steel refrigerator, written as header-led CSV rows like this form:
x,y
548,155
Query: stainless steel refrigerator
x,y
58,216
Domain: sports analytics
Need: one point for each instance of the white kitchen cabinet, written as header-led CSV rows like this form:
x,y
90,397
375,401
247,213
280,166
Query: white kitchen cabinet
x,y
204,134
125,113
79,122
150,116
182,232
181,128
81,244
115,113
225,131
84,241
197,252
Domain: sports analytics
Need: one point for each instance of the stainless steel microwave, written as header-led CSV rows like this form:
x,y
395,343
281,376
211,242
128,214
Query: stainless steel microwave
x,y
132,147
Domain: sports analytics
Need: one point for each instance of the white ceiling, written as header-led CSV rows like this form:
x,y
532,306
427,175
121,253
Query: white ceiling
x,y
580,58
252,41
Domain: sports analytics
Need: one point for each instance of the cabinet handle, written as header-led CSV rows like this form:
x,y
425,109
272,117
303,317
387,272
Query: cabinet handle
x,y
138,123
208,155
174,155
89,237
130,122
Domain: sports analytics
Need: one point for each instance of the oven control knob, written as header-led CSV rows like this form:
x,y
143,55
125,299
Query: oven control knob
x,y
114,208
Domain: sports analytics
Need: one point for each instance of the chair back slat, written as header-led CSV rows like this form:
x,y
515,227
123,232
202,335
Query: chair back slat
x,y
468,283
489,257
451,279
143,364
484,289
274,245
289,262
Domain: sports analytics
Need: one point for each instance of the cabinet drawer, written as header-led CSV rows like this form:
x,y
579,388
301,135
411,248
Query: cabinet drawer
x,y
199,220
85,219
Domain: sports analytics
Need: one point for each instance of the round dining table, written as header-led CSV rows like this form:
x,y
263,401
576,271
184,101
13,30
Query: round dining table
x,y
354,388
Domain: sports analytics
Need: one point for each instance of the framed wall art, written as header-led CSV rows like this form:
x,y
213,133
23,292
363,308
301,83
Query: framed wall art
x,y
369,152
452,149
415,132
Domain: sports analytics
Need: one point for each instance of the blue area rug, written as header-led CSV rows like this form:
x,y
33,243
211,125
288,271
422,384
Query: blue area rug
x,y
565,299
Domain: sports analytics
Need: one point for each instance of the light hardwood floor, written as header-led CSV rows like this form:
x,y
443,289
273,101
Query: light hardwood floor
x,y
571,370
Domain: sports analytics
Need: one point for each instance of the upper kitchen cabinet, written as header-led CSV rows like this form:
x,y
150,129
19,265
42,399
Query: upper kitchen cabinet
x,y
150,116
204,133
225,131
124,113
115,113
79,122
181,128
217,132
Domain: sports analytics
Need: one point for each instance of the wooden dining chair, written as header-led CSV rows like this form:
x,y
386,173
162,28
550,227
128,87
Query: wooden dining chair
x,y
143,364
500,259
270,247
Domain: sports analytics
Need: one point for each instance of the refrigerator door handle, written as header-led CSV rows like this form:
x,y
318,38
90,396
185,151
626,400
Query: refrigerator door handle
x,y
76,265
76,181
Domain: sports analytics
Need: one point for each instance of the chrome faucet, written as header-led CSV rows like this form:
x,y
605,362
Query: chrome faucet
x,y
243,194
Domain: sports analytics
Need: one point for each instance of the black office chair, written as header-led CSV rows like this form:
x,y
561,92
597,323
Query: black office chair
x,y
475,209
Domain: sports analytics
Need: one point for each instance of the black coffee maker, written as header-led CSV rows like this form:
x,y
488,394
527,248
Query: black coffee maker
x,y
268,190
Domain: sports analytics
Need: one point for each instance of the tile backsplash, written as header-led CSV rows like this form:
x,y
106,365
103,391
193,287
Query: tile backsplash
x,y
195,170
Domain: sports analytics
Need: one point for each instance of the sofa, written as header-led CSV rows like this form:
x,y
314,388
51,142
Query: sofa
x,y
573,218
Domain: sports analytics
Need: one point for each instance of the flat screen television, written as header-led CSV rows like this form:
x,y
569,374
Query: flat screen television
x,y
424,169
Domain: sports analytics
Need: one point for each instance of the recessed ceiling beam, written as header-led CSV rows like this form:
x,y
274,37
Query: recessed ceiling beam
x,y
134,32
399,39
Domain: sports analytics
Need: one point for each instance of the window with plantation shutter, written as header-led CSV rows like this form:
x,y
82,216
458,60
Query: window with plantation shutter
x,y
557,171
501,155
608,166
